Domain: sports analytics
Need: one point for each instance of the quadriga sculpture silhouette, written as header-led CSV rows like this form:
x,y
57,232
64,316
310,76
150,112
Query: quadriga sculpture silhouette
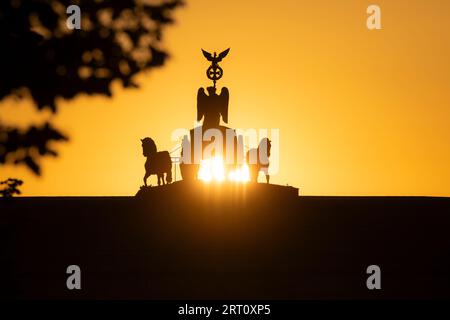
x,y
157,162
260,160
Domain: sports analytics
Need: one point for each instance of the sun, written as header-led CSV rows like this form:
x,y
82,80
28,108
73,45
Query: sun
x,y
241,174
214,169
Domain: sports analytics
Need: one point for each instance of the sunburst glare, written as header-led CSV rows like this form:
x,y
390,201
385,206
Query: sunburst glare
x,y
214,169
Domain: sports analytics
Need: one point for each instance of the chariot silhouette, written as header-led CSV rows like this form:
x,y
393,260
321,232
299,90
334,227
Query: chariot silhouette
x,y
211,151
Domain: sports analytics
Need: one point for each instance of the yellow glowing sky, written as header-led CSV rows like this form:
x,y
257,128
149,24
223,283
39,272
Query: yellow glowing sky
x,y
360,112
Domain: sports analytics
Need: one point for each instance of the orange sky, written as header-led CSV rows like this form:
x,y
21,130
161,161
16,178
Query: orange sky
x,y
360,112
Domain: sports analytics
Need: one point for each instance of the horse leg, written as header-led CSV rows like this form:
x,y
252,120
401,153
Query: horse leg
x,y
266,172
159,179
145,178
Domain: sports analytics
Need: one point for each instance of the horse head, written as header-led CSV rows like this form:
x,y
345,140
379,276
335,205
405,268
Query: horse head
x,y
148,147
265,144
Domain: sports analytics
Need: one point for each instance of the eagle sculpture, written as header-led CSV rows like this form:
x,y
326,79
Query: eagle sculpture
x,y
215,58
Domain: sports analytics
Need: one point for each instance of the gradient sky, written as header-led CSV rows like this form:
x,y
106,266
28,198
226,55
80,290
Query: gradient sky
x,y
360,112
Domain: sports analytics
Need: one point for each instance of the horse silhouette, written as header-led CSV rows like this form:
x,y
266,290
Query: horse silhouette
x,y
258,160
157,162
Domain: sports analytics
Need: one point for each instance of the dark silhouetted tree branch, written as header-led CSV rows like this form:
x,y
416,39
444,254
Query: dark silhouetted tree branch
x,y
26,147
41,56
10,187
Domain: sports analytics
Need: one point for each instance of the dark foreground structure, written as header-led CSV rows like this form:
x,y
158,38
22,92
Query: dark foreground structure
x,y
222,241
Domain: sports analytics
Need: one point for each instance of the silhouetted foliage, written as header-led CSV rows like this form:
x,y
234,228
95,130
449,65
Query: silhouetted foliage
x,y
25,147
10,187
43,59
